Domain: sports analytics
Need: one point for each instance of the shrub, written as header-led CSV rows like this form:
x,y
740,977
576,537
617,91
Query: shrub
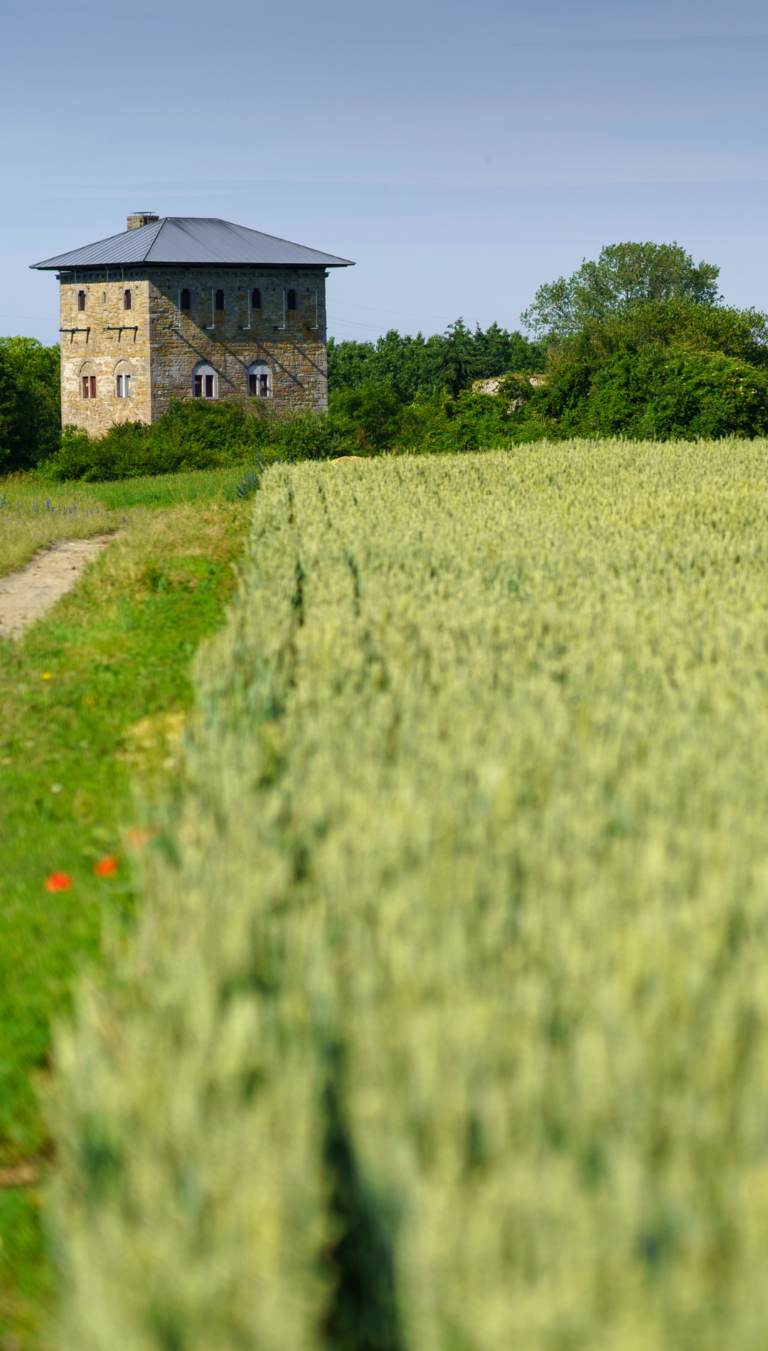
x,y
193,435
667,394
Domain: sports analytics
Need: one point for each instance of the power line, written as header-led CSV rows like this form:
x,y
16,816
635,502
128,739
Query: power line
x,y
36,318
377,309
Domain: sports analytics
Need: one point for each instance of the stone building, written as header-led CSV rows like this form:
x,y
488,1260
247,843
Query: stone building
x,y
183,307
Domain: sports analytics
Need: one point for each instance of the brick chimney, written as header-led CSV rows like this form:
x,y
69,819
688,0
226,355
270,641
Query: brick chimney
x,y
140,218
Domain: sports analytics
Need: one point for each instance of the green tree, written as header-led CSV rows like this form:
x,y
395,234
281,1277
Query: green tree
x,y
666,369
498,352
367,418
669,394
348,364
30,407
624,276
455,360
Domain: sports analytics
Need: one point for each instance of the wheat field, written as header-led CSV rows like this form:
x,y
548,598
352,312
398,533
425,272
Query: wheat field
x,y
445,1025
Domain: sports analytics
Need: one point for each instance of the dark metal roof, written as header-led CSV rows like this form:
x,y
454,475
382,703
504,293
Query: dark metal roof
x,y
196,241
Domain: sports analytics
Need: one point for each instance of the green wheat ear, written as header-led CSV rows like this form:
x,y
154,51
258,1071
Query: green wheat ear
x,y
444,1026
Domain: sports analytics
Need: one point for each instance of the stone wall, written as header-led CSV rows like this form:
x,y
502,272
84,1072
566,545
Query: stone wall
x,y
100,340
160,345
291,344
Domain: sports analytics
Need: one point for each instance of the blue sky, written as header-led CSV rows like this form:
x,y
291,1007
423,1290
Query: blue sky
x,y
461,153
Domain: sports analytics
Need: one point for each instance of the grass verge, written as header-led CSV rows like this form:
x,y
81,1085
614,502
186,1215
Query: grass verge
x,y
92,692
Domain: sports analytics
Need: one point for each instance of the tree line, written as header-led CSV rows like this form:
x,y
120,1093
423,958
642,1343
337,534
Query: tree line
x,y
636,343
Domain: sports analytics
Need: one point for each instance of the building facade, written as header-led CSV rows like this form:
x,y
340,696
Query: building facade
x,y
187,307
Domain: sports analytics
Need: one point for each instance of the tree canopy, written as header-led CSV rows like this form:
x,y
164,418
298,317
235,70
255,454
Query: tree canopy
x,y
623,277
30,416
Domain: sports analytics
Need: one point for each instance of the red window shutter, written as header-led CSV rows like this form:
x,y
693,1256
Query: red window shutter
x,y
93,386
86,389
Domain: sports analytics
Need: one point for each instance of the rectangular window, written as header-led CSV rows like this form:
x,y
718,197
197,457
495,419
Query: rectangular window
x,y
127,300
258,384
209,386
198,386
81,300
184,303
123,386
219,300
256,298
89,386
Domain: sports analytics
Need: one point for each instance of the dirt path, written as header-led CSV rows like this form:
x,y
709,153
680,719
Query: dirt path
x,y
27,595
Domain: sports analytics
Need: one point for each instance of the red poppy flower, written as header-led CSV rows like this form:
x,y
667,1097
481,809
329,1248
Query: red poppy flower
x,y
58,882
106,867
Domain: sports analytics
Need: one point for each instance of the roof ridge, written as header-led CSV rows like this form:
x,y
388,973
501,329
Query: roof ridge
x,y
151,225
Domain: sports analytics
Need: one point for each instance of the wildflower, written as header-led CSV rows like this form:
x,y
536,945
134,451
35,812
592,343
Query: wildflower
x,y
139,836
45,675
106,867
58,882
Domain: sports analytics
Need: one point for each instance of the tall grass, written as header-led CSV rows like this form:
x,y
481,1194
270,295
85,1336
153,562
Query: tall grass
x,y
33,516
446,1023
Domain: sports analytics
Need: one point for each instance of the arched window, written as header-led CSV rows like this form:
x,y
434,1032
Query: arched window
x,y
127,300
123,374
219,299
290,300
256,298
204,382
88,380
185,302
259,380
81,300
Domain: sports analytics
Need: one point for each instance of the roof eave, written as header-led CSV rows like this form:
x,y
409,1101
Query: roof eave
x,y
143,262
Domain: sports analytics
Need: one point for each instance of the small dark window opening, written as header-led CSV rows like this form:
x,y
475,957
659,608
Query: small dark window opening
x,y
81,300
127,300
89,386
256,299
219,301
185,301
198,386
290,302
209,385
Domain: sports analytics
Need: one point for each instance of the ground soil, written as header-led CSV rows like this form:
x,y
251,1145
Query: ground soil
x,y
28,594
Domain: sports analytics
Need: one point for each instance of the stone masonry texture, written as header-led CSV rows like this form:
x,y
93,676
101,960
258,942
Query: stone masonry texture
x,y
160,346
